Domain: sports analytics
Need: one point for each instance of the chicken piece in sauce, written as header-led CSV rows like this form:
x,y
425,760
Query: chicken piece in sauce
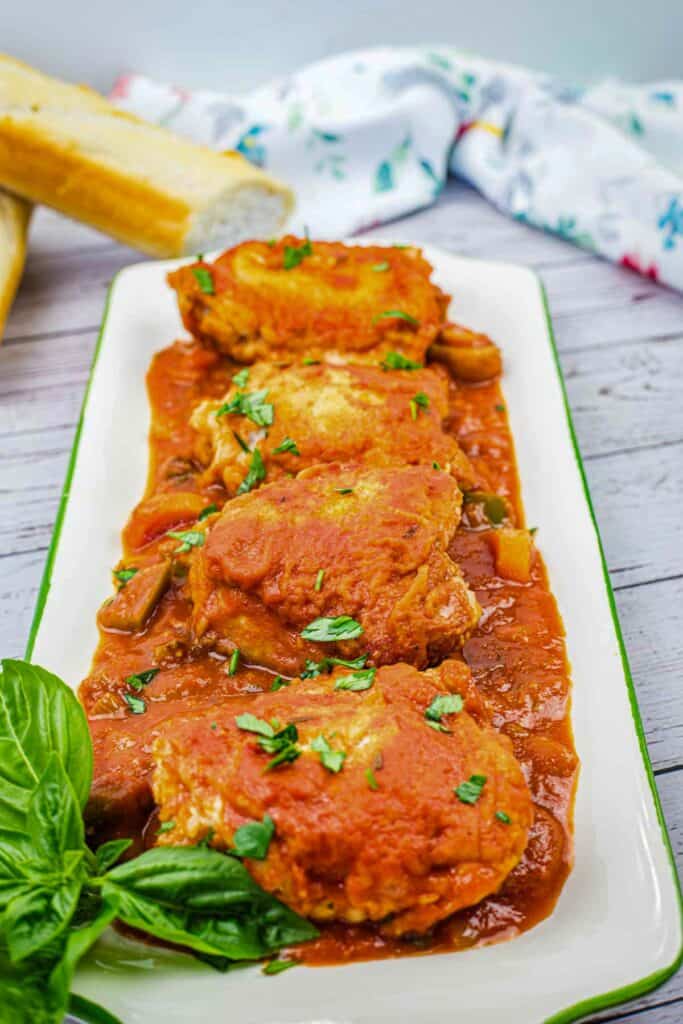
x,y
340,560
377,816
304,415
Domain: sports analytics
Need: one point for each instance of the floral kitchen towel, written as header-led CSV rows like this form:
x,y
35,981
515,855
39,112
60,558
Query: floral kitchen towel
x,y
368,136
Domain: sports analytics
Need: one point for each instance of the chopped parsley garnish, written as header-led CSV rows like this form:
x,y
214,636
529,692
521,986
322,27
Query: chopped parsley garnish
x,y
241,442
499,408
344,490
435,465
206,512
234,661
308,361
329,630
494,506
533,530
189,539
396,314
204,280
288,445
502,816
443,704
379,268
395,361
320,576
282,743
141,679
278,683
136,704
417,402
278,966
123,575
316,668
257,472
331,759
253,839
356,681
166,826
371,780
251,404
241,377
470,791
294,255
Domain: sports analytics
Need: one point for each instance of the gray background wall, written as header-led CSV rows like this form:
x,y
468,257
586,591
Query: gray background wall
x,y
238,45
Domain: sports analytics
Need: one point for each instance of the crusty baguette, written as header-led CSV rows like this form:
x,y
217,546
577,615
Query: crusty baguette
x,y
67,147
15,214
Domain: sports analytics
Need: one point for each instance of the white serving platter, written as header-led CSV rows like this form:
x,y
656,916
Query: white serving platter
x,y
616,930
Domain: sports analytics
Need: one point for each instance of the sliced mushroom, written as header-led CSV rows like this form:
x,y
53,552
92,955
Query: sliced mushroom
x,y
131,606
468,355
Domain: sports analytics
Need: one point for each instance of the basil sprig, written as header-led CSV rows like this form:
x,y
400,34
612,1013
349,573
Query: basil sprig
x,y
57,896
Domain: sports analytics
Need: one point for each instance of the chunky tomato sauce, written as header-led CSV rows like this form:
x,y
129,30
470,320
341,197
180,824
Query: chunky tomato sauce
x,y
516,654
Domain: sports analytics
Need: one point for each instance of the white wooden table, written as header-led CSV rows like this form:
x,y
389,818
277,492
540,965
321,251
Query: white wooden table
x,y
621,343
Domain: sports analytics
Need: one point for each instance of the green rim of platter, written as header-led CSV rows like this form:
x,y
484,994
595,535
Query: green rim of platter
x,y
90,1013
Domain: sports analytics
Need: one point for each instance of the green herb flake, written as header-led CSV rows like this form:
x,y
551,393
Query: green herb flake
x,y
241,442
256,473
136,704
435,465
331,759
283,744
166,826
344,490
278,966
124,575
288,445
371,780
395,361
443,704
379,268
214,726
241,377
294,255
417,402
234,662
278,684
253,839
502,816
331,630
533,530
356,681
397,314
204,280
251,404
138,681
189,539
470,791
308,361
320,576
494,506
317,668
250,723
499,407
206,512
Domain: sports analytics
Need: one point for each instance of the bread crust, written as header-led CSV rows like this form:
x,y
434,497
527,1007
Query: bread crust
x,y
15,215
67,147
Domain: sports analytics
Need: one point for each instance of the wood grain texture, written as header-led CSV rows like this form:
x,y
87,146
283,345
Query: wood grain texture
x,y
621,343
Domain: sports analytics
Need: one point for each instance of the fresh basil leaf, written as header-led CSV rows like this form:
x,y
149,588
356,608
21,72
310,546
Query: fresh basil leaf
x,y
444,704
205,900
241,377
123,575
206,512
250,723
288,445
28,994
253,839
37,916
330,630
294,255
109,853
470,791
189,538
136,704
251,404
417,402
54,823
356,681
38,715
278,966
495,508
81,937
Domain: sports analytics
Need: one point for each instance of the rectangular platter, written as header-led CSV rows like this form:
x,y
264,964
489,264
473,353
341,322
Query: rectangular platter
x,y
616,930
